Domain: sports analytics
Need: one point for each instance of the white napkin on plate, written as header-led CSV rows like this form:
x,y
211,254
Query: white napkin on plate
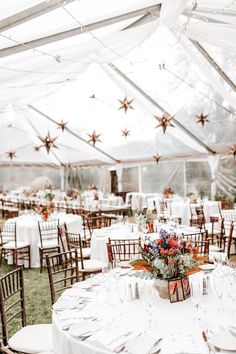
x,y
141,345
180,343
83,329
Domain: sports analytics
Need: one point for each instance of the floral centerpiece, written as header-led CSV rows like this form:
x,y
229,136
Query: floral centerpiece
x,y
166,258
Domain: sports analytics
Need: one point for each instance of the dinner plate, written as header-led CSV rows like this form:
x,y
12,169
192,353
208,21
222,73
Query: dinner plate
x,y
141,345
224,340
83,329
207,267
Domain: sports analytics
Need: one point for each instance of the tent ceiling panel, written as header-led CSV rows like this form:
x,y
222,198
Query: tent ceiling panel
x,y
71,79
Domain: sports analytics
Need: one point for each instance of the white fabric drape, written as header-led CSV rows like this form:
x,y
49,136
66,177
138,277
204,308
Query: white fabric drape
x,y
213,164
170,11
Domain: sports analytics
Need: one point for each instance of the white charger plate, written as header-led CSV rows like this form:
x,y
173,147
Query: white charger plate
x,y
207,267
83,328
224,340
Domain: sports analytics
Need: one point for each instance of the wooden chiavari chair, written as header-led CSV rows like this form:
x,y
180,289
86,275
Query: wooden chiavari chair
x,y
11,247
49,239
28,339
63,272
123,250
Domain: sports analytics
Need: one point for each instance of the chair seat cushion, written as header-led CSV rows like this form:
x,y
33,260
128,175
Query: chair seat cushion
x,y
11,245
32,339
92,265
86,252
49,244
214,248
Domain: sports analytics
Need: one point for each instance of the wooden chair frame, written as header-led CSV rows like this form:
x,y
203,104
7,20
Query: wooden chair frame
x,y
48,230
63,272
8,229
11,286
123,249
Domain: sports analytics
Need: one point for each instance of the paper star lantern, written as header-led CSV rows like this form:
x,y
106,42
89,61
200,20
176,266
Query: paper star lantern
x,y
233,150
11,154
94,138
157,158
164,122
62,125
125,104
202,118
48,142
37,148
125,132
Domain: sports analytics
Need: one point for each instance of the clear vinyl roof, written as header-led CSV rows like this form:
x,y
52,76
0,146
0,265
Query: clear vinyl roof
x,y
74,60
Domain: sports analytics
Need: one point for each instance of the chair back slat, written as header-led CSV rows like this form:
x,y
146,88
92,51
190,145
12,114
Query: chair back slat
x,y
8,232
63,272
48,231
123,249
12,304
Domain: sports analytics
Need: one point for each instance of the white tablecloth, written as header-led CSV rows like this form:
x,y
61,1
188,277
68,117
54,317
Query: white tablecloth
x,y
27,230
114,322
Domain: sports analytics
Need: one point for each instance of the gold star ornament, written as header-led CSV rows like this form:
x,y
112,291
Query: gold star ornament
x,y
125,104
48,142
164,122
94,138
202,118
233,150
157,158
11,154
62,125
125,132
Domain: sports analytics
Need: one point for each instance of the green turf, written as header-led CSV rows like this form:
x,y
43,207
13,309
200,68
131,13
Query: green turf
x,y
37,296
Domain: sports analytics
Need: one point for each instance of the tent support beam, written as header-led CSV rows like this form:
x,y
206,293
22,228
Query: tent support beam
x,y
212,62
150,99
73,133
77,31
30,13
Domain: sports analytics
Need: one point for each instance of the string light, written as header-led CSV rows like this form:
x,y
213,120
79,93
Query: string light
x,y
94,36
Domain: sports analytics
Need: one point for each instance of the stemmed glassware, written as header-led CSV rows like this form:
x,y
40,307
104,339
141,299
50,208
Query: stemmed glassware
x,y
196,290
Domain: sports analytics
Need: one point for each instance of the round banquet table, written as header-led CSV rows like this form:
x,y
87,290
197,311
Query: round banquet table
x,y
27,230
127,231
98,316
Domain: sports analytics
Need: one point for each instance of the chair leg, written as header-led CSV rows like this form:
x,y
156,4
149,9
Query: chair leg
x,y
29,257
41,259
16,257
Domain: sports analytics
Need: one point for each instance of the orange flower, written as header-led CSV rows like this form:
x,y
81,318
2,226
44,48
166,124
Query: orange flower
x,y
173,242
159,242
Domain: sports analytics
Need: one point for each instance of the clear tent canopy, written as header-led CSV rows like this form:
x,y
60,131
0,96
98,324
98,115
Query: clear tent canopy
x,y
74,61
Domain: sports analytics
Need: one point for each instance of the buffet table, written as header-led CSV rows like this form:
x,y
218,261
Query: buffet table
x,y
27,230
100,316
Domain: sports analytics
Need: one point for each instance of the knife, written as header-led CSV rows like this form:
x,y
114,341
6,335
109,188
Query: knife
x,y
211,349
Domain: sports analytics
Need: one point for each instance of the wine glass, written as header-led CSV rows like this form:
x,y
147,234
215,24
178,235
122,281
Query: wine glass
x,y
196,290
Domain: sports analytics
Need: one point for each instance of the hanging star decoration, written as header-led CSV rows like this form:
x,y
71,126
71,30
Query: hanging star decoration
x,y
125,104
94,138
125,132
37,148
157,158
62,125
233,150
11,154
48,142
164,122
202,118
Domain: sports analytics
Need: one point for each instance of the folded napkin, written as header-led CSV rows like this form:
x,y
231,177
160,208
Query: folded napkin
x,y
64,304
180,343
145,344
83,329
